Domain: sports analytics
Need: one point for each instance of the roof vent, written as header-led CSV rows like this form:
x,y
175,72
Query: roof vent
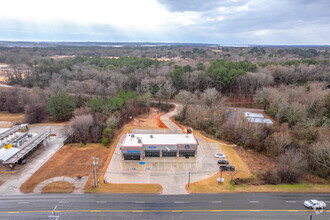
x,y
187,135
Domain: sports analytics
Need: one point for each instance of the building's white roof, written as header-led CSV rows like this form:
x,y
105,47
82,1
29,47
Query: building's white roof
x,y
5,154
253,115
260,120
131,140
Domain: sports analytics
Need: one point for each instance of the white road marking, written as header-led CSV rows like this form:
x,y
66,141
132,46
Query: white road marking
x,y
216,201
253,201
178,202
291,201
101,202
23,202
63,202
139,202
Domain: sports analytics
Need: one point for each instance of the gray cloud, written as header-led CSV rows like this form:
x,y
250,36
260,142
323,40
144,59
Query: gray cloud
x,y
223,22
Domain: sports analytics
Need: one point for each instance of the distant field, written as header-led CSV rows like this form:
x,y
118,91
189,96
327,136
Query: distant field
x,y
9,117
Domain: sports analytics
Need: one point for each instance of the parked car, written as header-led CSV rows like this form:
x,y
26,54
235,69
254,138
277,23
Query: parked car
x,y
314,204
226,162
227,168
220,156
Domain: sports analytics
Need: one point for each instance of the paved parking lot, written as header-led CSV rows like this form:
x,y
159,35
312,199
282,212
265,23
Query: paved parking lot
x,y
172,173
161,166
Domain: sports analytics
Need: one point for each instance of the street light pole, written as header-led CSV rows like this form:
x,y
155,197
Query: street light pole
x,y
189,179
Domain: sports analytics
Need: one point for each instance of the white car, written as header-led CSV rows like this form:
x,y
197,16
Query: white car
x,y
314,204
220,156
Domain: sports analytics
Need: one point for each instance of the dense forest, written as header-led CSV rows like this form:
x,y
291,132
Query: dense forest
x,y
99,89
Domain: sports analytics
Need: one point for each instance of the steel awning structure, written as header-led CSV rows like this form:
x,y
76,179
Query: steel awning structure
x,y
28,147
11,131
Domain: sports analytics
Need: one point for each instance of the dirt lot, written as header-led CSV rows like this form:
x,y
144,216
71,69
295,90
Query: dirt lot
x,y
147,120
58,187
256,162
71,161
9,117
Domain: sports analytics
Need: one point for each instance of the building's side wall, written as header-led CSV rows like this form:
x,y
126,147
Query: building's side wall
x,y
160,148
187,147
132,150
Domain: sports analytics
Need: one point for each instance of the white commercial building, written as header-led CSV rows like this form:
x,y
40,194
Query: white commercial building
x,y
138,146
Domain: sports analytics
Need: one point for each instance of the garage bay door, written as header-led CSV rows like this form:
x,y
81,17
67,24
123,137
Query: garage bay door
x,y
171,153
152,153
131,156
185,153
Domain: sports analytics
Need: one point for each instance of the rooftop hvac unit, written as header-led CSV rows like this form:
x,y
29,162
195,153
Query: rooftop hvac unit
x,y
151,136
133,135
139,140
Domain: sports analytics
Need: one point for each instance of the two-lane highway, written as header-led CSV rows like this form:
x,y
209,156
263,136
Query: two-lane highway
x,y
207,206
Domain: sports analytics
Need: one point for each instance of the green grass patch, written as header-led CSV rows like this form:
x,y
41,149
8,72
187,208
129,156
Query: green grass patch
x,y
301,186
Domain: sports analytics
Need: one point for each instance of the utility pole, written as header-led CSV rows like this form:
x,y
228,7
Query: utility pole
x,y
95,163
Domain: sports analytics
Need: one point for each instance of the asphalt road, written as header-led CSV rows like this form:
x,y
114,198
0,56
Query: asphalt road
x,y
205,206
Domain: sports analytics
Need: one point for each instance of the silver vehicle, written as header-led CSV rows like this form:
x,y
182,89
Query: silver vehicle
x,y
314,204
220,156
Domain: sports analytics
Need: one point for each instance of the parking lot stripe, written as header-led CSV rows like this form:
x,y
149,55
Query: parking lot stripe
x,y
290,201
216,201
253,201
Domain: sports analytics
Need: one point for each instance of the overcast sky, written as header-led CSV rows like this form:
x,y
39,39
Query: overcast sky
x,y
185,21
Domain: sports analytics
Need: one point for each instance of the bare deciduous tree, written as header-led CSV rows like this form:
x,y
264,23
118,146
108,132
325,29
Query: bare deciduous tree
x,y
209,96
79,129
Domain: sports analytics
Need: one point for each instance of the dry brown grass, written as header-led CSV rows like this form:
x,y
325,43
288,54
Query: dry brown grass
x,y
128,188
211,185
6,116
50,124
71,161
58,187
256,162
1,182
146,120
234,159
